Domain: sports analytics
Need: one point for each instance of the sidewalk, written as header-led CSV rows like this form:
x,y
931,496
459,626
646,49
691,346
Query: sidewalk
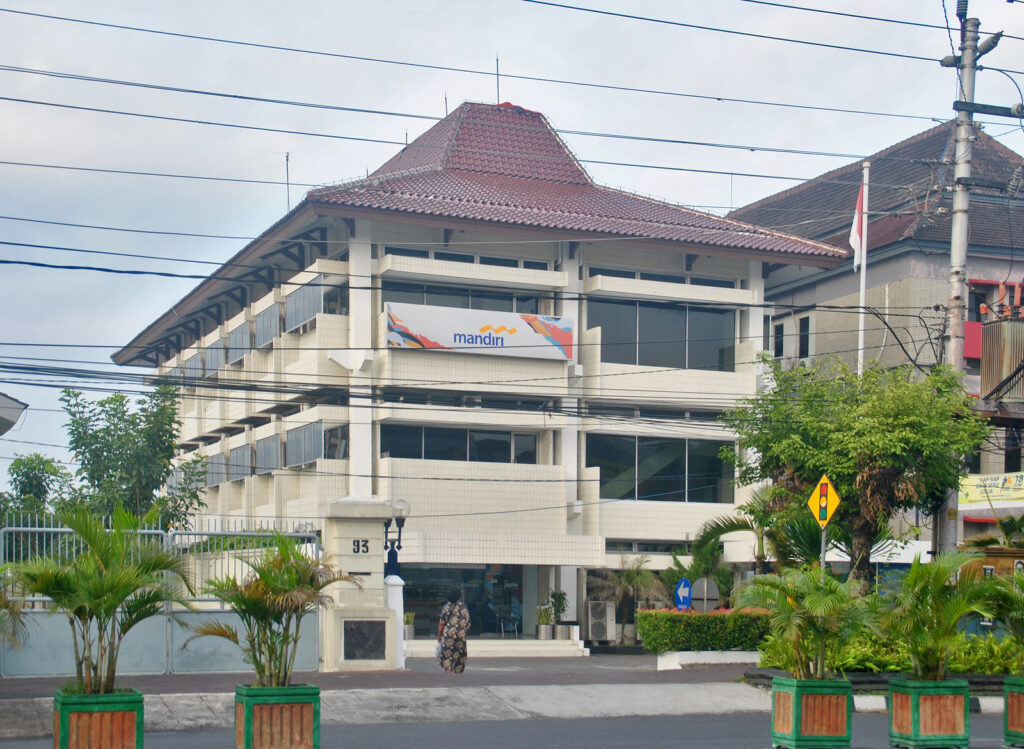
x,y
491,689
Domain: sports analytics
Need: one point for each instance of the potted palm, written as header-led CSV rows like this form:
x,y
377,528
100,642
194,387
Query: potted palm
x,y
108,581
543,622
559,603
282,587
1009,604
929,710
409,629
811,613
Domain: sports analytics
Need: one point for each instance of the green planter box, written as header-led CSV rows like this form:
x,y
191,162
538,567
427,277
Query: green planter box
x,y
277,717
97,721
811,713
1013,711
929,713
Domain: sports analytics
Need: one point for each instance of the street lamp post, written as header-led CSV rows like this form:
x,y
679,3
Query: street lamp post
x,y
393,544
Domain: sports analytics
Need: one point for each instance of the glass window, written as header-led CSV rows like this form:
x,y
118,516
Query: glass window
x,y
662,277
491,300
779,342
710,478
524,447
401,293
193,369
612,272
661,333
535,264
712,339
239,463
405,252
490,447
214,357
615,455
721,283
303,304
238,343
268,325
268,455
805,337
216,469
527,305
617,321
504,262
336,442
447,296
661,469
401,441
441,443
453,257
336,300
303,444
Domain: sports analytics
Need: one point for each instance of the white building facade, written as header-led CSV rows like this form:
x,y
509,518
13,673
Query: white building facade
x,y
533,362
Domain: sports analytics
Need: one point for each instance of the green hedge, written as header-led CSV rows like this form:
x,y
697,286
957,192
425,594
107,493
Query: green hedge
x,y
667,630
973,654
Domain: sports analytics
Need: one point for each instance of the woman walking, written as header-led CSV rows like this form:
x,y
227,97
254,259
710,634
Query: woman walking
x,y
451,633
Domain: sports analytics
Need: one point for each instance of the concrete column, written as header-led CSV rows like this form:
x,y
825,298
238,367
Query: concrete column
x,y
359,360
394,599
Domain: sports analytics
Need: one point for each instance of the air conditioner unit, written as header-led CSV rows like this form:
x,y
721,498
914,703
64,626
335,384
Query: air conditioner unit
x,y
600,620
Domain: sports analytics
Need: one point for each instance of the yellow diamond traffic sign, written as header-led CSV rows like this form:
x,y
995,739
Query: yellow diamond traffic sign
x,y
823,501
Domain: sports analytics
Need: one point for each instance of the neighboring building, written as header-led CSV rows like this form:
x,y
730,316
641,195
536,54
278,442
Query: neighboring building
x,y
590,338
910,209
11,410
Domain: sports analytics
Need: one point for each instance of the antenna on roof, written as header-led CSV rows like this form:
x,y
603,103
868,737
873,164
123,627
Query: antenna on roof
x,y
287,181
445,103
497,79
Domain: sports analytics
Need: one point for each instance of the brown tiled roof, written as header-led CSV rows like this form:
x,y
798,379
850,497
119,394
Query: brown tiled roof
x,y
909,184
504,164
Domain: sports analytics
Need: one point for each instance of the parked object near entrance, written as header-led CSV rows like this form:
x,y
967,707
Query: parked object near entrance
x,y
810,613
283,586
929,710
407,622
116,579
543,622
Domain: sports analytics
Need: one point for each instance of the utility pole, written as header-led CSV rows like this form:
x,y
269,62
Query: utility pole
x,y
947,525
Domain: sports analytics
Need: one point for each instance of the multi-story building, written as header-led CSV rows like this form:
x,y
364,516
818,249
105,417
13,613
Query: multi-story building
x,y
533,362
910,209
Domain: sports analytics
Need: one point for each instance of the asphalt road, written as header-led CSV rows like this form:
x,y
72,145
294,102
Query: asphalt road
x,y
737,731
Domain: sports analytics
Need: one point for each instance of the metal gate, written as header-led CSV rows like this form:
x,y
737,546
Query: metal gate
x,y
218,547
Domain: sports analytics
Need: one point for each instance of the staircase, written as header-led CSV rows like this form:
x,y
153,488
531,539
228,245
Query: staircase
x,y
504,648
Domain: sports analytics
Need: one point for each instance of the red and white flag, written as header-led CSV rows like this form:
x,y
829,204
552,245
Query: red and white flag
x,y
856,237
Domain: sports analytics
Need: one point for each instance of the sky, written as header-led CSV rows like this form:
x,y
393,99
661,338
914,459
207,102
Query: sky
x,y
78,318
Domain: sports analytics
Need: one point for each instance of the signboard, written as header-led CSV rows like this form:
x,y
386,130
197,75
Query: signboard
x,y
683,595
1005,489
477,331
823,501
705,595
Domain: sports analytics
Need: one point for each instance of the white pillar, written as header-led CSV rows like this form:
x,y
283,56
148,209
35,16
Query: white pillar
x,y
360,336
394,599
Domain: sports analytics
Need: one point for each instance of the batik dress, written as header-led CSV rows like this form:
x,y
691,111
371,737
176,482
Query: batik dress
x,y
455,617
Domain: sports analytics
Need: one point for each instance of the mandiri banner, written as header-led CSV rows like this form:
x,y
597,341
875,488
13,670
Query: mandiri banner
x,y
476,331
997,488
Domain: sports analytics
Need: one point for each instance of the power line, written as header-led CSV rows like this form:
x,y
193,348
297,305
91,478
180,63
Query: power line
x,y
469,71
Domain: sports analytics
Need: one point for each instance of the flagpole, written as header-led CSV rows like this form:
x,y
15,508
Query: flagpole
x,y
863,251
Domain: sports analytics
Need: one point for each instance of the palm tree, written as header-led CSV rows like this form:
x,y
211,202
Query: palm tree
x,y
756,516
932,600
625,586
810,612
1011,535
796,541
282,587
1009,600
13,629
110,581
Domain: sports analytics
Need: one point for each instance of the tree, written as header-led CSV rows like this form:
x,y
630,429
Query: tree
x,y
124,454
37,483
705,561
756,516
889,440
625,586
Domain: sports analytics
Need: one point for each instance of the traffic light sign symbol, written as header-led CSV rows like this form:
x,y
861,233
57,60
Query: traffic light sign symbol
x,y
823,501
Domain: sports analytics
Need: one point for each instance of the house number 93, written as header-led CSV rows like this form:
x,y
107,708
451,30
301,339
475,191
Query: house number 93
x,y
360,546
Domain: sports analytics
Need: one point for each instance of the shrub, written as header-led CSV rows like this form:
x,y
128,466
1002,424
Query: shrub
x,y
666,630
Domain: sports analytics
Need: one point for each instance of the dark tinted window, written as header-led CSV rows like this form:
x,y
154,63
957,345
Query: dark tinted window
x,y
490,447
405,252
444,444
491,300
615,455
805,337
401,441
525,448
535,264
447,296
710,477
454,257
401,293
712,339
661,332
617,321
661,469
505,262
